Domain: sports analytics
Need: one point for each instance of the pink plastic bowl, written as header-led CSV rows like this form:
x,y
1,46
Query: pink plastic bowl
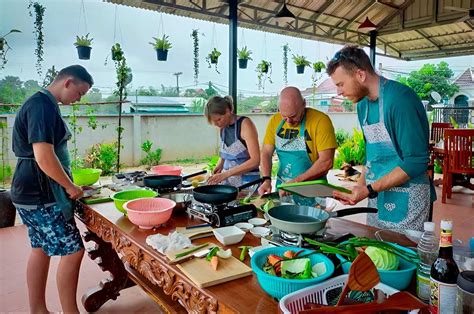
x,y
147,213
167,170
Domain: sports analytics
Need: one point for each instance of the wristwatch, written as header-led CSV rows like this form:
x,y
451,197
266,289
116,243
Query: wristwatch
x,y
265,178
372,192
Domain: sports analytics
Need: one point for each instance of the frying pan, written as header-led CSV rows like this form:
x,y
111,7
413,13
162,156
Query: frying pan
x,y
167,181
306,219
219,194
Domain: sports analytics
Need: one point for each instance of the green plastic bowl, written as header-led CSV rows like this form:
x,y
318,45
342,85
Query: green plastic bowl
x,y
86,176
122,197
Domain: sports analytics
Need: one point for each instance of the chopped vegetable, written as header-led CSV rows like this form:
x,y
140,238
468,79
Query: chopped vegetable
x,y
273,259
382,259
225,254
214,262
318,269
244,251
212,252
296,268
191,250
289,254
268,204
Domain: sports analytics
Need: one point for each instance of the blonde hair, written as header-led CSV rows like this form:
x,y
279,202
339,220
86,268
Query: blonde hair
x,y
218,105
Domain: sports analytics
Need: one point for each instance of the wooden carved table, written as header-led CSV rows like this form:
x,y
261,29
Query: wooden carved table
x,y
121,249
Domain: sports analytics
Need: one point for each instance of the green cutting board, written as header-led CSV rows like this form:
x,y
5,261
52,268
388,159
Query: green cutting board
x,y
316,188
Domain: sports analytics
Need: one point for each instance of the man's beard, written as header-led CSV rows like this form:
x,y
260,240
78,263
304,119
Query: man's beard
x,y
360,92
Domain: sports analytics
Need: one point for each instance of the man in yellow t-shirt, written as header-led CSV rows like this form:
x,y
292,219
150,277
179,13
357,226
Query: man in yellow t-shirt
x,y
304,141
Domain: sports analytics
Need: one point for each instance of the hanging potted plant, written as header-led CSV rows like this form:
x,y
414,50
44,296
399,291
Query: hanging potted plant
x,y
38,10
286,49
195,36
161,45
117,53
4,47
83,46
213,58
318,66
244,56
264,70
301,62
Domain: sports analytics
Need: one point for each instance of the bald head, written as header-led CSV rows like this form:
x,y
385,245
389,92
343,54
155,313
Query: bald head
x,y
292,105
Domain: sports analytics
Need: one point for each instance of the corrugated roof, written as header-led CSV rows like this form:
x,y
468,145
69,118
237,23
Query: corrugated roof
x,y
407,29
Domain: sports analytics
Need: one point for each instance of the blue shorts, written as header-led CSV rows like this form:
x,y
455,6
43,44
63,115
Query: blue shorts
x,y
48,230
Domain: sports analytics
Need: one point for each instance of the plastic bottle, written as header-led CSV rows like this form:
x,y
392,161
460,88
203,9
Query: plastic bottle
x,y
427,251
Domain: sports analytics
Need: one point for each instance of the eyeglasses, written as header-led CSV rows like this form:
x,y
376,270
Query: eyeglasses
x,y
340,55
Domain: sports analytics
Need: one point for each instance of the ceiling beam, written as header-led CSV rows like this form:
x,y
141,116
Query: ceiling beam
x,y
318,13
423,34
391,16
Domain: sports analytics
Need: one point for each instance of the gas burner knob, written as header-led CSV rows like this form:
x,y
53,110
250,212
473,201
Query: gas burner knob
x,y
214,219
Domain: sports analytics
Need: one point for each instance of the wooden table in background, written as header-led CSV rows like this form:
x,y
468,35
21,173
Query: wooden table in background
x,y
123,252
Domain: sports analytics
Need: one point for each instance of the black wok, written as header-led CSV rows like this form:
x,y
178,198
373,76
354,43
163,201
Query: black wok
x,y
167,181
219,194
306,219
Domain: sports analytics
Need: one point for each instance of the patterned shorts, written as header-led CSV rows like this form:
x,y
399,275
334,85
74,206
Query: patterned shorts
x,y
48,230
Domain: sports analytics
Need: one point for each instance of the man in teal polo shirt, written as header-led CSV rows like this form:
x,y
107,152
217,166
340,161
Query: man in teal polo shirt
x,y
396,133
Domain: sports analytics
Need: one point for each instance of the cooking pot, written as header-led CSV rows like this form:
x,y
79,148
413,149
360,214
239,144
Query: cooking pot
x,y
306,219
167,181
220,194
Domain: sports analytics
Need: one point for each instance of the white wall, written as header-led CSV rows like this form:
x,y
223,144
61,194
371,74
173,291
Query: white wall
x,y
179,136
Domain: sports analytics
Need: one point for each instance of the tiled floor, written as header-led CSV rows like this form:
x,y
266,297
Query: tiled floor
x,y
14,250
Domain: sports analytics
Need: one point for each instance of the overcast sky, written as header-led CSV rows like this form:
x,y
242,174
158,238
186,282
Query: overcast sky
x,y
64,19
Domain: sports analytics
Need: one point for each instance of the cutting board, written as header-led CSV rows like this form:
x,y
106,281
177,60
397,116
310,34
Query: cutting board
x,y
200,271
196,233
316,188
102,197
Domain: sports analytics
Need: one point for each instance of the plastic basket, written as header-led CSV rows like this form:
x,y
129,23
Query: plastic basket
x,y
294,302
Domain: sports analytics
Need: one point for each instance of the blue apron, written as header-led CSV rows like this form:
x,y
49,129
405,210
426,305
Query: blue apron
x,y
405,206
62,199
293,159
234,155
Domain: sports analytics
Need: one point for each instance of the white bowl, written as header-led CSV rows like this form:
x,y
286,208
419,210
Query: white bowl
x,y
245,226
229,235
257,221
260,231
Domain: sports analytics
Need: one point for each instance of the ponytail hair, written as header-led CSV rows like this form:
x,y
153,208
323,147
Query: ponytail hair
x,y
218,105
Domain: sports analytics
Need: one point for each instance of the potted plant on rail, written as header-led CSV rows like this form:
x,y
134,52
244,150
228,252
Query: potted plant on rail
x,y
83,46
213,58
264,70
244,56
301,62
161,45
318,66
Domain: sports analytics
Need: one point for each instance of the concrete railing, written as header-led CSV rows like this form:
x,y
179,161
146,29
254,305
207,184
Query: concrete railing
x,y
179,136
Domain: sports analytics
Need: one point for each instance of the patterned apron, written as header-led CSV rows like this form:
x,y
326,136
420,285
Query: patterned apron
x,y
294,159
405,206
234,155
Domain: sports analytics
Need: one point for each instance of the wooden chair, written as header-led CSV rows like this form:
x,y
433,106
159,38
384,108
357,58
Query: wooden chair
x,y
437,131
458,158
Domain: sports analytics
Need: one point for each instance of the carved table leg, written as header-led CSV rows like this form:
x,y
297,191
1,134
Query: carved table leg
x,y
109,288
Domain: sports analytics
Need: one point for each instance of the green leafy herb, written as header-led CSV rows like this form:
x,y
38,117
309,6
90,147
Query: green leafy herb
x,y
191,250
211,253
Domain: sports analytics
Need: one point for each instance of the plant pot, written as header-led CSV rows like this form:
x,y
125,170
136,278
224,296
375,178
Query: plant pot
x,y
7,209
214,60
300,69
161,54
265,69
84,52
317,70
243,63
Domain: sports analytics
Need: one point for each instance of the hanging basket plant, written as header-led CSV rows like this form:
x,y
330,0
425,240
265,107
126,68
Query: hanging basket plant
x,y
83,46
286,49
264,70
161,45
117,53
195,36
244,56
4,47
318,66
301,62
38,10
213,58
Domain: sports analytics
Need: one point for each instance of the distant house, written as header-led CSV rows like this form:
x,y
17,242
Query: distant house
x,y
465,96
324,98
155,104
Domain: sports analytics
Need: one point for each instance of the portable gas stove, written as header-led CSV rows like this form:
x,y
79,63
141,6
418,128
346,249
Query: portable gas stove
x,y
282,238
129,178
222,215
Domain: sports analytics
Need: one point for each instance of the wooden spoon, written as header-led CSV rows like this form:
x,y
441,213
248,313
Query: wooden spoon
x,y
363,276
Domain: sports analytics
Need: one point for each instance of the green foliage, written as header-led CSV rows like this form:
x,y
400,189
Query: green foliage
x,y
454,123
5,172
150,91
4,47
244,53
264,70
213,58
352,151
301,60
38,10
318,66
341,136
437,166
195,36
212,164
84,41
117,52
197,105
50,76
431,78
275,167
152,158
102,156
286,49
348,105
161,43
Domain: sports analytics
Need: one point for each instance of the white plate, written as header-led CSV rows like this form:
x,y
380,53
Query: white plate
x,y
257,221
245,226
260,231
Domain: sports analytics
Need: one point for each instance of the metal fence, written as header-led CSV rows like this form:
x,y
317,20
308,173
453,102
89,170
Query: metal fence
x,y
462,115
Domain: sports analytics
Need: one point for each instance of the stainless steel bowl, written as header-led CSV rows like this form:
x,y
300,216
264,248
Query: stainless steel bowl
x,y
183,200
